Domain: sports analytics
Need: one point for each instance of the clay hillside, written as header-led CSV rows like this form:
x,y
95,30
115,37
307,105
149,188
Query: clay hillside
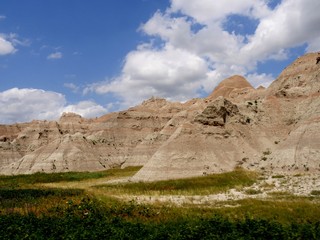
x,y
275,129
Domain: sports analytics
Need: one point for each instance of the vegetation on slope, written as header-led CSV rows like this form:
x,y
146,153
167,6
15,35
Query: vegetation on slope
x,y
30,210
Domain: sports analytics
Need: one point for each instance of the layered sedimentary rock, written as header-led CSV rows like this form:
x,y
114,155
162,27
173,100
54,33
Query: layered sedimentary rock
x,y
274,129
77,144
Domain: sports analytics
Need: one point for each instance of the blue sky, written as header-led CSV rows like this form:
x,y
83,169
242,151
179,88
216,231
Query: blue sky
x,y
93,57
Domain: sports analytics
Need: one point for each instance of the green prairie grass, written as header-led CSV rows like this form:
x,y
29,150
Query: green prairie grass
x,y
30,179
25,194
32,211
294,210
92,219
209,184
36,201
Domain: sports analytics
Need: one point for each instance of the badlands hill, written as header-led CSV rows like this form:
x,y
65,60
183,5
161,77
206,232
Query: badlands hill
x,y
274,129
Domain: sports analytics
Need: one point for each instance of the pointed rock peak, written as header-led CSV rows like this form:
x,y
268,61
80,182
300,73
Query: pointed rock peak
x,y
70,117
235,81
229,85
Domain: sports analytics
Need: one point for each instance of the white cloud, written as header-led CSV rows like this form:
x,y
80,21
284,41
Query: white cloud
x,y
87,109
314,45
260,79
176,30
20,105
196,51
209,41
74,88
23,105
207,11
171,73
291,24
6,47
16,40
2,17
55,55
9,42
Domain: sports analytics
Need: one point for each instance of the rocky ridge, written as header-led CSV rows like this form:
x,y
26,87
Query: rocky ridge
x,y
270,130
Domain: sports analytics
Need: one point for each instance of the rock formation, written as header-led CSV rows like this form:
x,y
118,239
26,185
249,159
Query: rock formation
x,y
274,129
232,88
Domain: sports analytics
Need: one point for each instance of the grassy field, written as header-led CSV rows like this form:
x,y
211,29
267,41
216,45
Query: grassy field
x,y
204,185
23,180
84,206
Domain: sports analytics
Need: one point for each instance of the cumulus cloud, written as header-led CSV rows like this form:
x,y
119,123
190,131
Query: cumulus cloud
x,y
27,104
171,73
207,11
191,48
55,55
291,24
22,105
